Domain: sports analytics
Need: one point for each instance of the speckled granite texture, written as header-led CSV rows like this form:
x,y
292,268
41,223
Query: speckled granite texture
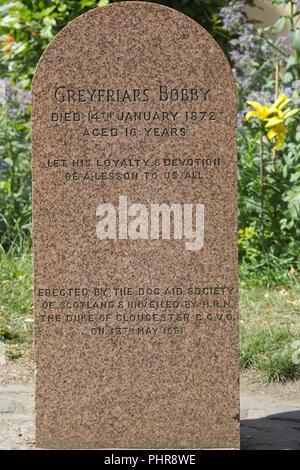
x,y
136,340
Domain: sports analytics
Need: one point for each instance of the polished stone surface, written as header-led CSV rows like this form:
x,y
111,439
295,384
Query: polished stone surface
x,y
136,337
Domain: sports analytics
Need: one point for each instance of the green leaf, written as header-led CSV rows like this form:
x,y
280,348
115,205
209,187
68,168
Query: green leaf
x,y
288,78
86,3
4,185
295,39
18,47
48,11
291,63
7,21
295,177
278,26
62,8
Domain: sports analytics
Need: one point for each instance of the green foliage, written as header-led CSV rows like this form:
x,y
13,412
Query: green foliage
x,y
15,168
254,53
26,28
268,271
16,299
281,202
32,24
249,244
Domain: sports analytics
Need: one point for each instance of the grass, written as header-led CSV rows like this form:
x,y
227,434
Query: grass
x,y
269,328
16,301
269,318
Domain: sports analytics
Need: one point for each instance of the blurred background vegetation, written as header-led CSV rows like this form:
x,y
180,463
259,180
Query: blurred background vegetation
x,y
254,51
265,59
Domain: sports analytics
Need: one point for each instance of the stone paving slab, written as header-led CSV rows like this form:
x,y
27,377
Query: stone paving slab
x,y
16,417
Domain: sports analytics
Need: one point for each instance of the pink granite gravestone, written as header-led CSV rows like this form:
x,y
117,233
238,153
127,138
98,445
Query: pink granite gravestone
x,y
135,234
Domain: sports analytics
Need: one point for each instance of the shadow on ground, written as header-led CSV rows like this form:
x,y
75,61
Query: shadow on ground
x,y
274,432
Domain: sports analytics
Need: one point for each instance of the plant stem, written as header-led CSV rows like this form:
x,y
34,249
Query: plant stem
x,y
276,96
262,226
270,43
293,28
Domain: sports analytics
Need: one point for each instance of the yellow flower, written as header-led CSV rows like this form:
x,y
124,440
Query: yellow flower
x,y
277,131
274,121
262,111
274,116
281,103
287,113
275,124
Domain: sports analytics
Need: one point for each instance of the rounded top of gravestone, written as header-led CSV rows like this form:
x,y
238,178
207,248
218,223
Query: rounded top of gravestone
x,y
131,38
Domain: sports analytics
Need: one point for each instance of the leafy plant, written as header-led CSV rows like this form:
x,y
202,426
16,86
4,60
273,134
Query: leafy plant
x,y
15,171
266,65
27,27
